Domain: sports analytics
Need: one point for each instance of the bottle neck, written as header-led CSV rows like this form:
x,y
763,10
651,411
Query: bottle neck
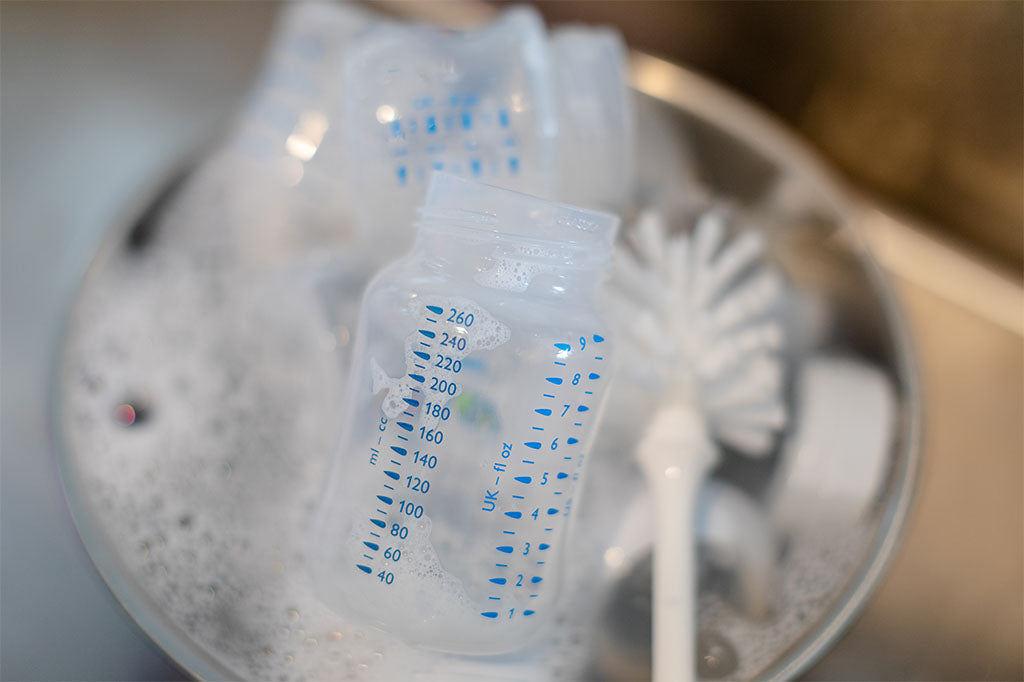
x,y
522,267
509,241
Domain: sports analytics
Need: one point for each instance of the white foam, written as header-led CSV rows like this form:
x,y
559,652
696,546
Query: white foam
x,y
205,504
514,274
487,333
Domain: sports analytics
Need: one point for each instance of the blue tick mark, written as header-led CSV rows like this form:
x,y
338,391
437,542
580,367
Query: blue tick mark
x,y
528,612
401,451
514,515
436,309
372,545
489,614
417,377
543,411
393,475
414,403
499,581
594,375
582,408
562,346
552,511
364,569
533,445
598,338
378,523
523,479
557,381
562,475
536,579
421,355
543,546
427,333
572,441
385,500
504,549
405,425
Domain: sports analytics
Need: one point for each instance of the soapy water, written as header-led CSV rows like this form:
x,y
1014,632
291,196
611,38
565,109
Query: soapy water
x,y
207,500
210,332
205,504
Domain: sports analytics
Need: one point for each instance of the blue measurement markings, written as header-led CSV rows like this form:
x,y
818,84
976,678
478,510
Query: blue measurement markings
x,y
454,133
391,473
563,382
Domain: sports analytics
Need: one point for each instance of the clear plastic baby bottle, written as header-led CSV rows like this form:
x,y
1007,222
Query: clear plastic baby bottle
x,y
480,367
502,103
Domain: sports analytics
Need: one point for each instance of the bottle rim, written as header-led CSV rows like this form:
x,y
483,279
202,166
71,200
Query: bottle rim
x,y
514,217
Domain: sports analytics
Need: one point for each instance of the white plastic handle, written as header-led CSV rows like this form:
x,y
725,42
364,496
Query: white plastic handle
x,y
676,455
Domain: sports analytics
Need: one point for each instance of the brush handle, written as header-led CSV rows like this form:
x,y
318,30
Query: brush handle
x,y
676,455
674,586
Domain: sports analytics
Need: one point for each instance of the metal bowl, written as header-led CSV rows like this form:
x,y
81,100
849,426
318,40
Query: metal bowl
x,y
202,618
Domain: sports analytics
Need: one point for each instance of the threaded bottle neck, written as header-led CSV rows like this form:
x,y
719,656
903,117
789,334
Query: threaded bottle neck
x,y
519,227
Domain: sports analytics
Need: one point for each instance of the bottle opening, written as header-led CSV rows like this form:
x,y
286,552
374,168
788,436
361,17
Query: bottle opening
x,y
452,201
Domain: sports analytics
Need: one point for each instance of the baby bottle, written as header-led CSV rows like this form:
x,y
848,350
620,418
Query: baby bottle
x,y
502,103
480,367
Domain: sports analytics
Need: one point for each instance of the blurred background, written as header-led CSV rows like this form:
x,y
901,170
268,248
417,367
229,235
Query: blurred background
x,y
919,105
919,102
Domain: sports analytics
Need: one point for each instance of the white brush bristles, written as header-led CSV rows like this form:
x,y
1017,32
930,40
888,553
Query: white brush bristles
x,y
703,310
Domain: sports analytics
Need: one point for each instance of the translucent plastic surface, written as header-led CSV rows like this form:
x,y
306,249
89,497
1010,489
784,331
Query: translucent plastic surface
x,y
472,405
500,104
595,117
